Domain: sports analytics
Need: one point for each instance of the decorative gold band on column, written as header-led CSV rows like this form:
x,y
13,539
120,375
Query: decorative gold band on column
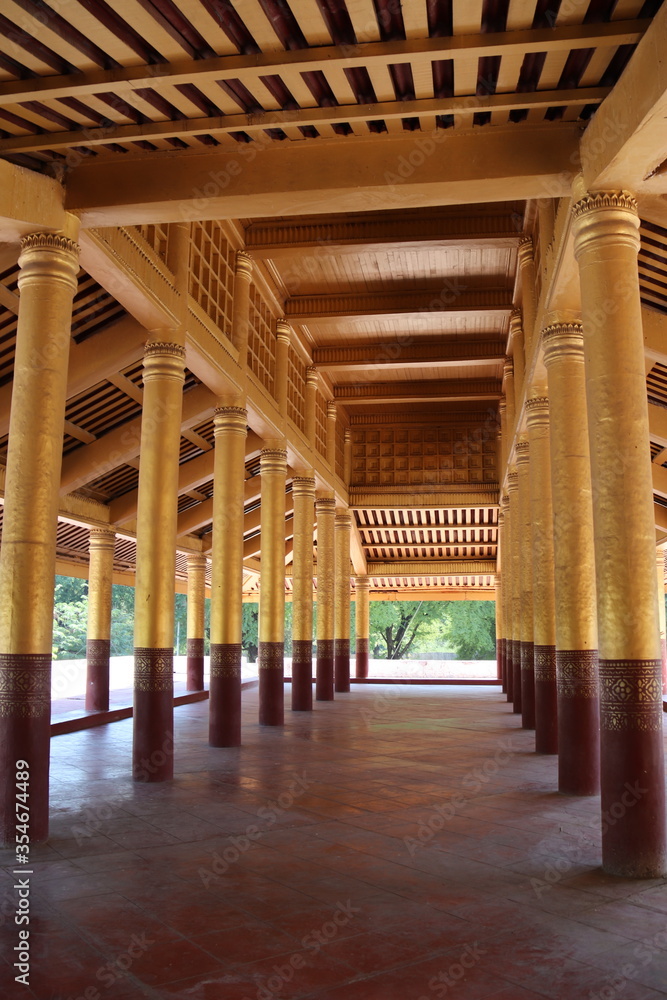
x,y
271,656
597,217
343,520
522,451
226,659
508,369
195,647
273,460
244,265
230,420
25,685
97,652
325,505
563,340
303,486
545,663
631,695
577,673
525,251
164,361
283,331
311,376
512,482
47,256
331,409
537,411
302,651
325,649
101,538
153,669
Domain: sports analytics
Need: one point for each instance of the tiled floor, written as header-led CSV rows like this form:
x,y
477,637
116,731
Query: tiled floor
x,y
400,843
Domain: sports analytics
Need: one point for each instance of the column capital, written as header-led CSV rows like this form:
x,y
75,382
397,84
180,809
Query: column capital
x,y
508,369
196,559
228,419
343,519
243,265
48,255
101,538
303,486
347,435
610,216
516,323
522,451
325,503
504,500
311,375
512,482
362,583
331,408
525,251
283,331
537,411
563,340
164,360
273,460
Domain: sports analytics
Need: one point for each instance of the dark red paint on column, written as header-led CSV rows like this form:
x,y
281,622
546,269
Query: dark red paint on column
x,y
509,668
302,675
527,685
195,665
324,680
97,675
546,700
271,683
516,676
153,744
224,718
342,665
578,721
361,658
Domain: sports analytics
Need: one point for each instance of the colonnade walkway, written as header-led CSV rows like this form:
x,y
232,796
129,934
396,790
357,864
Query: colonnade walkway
x,y
399,843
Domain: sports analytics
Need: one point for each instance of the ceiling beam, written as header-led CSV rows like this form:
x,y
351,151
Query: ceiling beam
x,y
443,353
657,424
479,226
435,567
297,178
625,145
370,55
401,392
659,480
654,325
257,122
452,296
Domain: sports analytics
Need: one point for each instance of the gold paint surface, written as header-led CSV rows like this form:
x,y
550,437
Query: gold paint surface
x,y
228,503
303,494
325,507
273,470
100,580
196,595
342,526
541,516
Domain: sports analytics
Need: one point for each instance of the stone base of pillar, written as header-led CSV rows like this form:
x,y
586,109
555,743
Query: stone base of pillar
x,y
97,675
270,662
634,833
342,665
516,676
195,665
302,675
578,722
224,711
153,744
361,658
527,686
324,674
546,700
25,736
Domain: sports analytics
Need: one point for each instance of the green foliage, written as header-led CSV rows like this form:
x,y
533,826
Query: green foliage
x,y
70,618
250,631
400,628
471,629
395,626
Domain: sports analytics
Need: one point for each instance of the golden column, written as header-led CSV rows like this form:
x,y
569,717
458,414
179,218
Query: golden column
x,y
196,617
526,257
331,435
283,337
153,750
101,547
508,654
518,357
502,457
606,242
347,461
508,390
273,470
362,625
311,405
303,494
500,598
342,526
515,567
544,598
47,282
241,304
660,566
230,428
526,590
325,508
574,563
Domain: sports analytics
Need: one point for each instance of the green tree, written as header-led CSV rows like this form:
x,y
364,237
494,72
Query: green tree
x,y
70,618
250,631
396,625
471,629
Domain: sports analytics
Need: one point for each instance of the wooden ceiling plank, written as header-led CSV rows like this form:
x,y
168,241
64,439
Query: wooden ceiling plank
x,y
78,432
101,36
415,19
127,386
207,26
39,29
258,24
520,14
364,20
312,23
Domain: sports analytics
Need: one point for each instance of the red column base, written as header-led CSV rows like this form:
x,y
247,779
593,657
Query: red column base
x,y
25,737
500,673
271,683
509,669
546,700
324,673
302,675
342,665
97,675
634,827
195,665
153,745
224,700
578,721
361,658
516,678
527,686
